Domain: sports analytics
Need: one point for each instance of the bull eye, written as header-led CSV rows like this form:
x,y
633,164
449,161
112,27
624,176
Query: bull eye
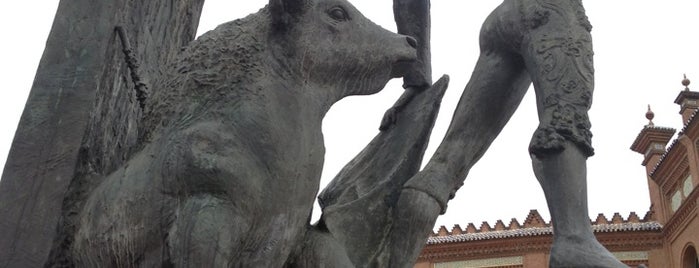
x,y
338,14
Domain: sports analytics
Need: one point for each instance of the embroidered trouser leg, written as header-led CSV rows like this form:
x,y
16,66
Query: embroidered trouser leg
x,y
555,52
560,65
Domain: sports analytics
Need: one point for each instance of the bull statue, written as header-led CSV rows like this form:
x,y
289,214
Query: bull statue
x,y
233,149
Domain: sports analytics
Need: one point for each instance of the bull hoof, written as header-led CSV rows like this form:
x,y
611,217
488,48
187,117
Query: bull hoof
x,y
582,253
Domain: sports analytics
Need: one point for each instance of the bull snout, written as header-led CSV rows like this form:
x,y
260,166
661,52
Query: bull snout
x,y
407,55
405,46
411,41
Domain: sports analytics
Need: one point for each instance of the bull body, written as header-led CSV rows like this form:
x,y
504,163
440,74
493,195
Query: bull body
x,y
234,149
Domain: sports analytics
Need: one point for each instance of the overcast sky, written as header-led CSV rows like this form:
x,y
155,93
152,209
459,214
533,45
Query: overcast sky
x,y
642,48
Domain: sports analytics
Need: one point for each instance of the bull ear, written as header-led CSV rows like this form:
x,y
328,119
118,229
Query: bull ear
x,y
285,12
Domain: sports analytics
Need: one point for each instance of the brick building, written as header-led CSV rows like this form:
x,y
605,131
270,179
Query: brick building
x,y
667,236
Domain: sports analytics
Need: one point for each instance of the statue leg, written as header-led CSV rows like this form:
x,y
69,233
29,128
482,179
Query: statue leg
x,y
211,231
413,19
562,176
207,233
495,90
561,68
493,93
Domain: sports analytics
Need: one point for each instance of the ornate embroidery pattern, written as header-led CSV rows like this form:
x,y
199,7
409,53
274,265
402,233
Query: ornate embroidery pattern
x,y
580,14
536,13
566,80
534,16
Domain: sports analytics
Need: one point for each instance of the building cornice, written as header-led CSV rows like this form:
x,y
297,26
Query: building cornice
x,y
669,162
535,235
689,127
650,133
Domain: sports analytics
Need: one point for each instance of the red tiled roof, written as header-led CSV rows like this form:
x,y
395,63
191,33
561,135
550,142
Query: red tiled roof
x,y
535,226
536,231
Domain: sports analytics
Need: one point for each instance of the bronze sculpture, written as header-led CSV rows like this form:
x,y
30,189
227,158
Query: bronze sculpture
x,y
232,132
546,42
236,120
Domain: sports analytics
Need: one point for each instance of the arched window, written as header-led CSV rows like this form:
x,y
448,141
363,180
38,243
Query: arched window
x,y
689,259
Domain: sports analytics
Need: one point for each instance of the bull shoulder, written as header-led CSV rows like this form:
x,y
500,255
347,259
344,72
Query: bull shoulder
x,y
209,158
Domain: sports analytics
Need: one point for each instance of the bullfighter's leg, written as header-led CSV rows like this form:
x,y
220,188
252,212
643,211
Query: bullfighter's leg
x,y
561,68
562,176
494,91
